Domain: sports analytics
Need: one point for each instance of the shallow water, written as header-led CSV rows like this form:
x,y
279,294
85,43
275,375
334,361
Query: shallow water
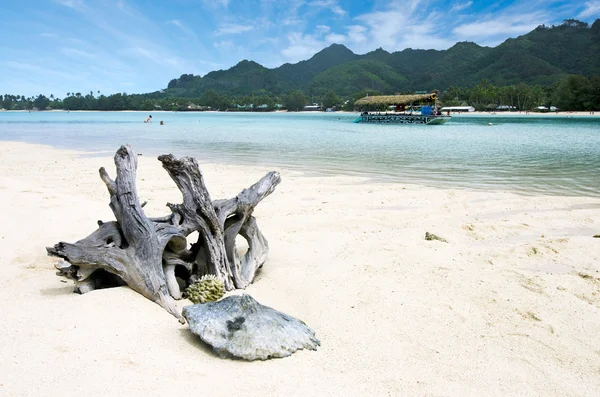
x,y
550,155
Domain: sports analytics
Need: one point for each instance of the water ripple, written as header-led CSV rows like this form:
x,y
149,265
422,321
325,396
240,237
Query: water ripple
x,y
524,154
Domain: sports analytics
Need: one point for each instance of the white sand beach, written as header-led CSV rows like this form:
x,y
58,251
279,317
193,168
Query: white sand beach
x,y
559,114
509,306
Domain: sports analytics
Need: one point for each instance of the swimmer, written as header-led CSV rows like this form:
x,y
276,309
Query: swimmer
x,y
148,119
162,122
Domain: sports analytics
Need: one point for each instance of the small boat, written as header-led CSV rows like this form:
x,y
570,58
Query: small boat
x,y
407,109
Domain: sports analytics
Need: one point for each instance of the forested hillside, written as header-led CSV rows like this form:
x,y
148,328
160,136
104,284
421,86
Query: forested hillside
x,y
543,56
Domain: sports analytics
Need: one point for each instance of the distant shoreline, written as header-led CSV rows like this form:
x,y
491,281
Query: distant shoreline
x,y
456,114
528,114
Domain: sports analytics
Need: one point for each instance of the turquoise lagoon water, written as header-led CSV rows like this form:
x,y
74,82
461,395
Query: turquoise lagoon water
x,y
559,155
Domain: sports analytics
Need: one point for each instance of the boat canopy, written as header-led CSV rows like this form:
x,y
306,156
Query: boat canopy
x,y
387,100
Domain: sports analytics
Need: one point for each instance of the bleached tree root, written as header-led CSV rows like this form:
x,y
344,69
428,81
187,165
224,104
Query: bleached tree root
x,y
150,255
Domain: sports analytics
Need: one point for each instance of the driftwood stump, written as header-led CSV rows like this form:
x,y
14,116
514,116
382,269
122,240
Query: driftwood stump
x,y
150,255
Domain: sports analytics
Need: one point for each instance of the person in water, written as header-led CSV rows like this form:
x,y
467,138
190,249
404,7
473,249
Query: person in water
x,y
162,122
148,119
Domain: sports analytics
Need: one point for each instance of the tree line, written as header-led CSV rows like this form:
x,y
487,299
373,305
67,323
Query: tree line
x,y
571,93
574,92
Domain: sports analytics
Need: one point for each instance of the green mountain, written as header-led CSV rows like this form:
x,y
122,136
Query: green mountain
x,y
350,77
542,56
300,74
430,69
244,78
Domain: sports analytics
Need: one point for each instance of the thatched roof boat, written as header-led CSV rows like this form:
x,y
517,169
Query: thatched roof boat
x,y
422,109
388,100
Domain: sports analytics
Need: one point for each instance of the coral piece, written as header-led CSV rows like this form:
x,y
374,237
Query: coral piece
x,y
208,289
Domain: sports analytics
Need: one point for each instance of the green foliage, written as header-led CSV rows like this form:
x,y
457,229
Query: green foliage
x,y
41,102
353,76
330,100
574,92
294,101
486,96
578,92
7,102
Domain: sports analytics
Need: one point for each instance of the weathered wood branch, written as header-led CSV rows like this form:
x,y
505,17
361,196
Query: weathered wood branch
x,y
151,255
138,259
234,214
197,213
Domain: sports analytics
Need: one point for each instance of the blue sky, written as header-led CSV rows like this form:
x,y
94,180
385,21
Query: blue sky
x,y
136,46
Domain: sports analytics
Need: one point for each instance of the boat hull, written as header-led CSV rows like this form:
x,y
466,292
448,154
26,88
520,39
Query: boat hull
x,y
402,119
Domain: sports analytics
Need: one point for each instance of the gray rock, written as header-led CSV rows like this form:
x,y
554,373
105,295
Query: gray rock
x,y
239,326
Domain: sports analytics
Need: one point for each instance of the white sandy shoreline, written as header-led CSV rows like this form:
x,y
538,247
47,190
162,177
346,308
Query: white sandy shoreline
x,y
586,114
509,306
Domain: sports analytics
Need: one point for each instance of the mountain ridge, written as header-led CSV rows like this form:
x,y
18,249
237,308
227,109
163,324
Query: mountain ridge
x,y
543,56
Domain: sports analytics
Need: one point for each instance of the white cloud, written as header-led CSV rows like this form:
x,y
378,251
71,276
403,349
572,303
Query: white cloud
x,y
592,9
75,53
386,28
400,26
357,34
231,28
322,29
22,66
461,6
222,3
160,59
177,23
182,27
292,20
332,5
335,38
224,45
496,27
271,41
301,47
78,5
143,52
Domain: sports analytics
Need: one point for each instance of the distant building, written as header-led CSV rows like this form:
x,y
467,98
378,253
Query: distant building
x,y
314,106
506,107
457,109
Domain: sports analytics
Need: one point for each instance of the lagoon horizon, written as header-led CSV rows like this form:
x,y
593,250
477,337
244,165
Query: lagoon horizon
x,y
527,155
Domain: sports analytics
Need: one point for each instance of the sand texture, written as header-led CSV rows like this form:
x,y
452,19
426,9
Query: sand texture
x,y
508,306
